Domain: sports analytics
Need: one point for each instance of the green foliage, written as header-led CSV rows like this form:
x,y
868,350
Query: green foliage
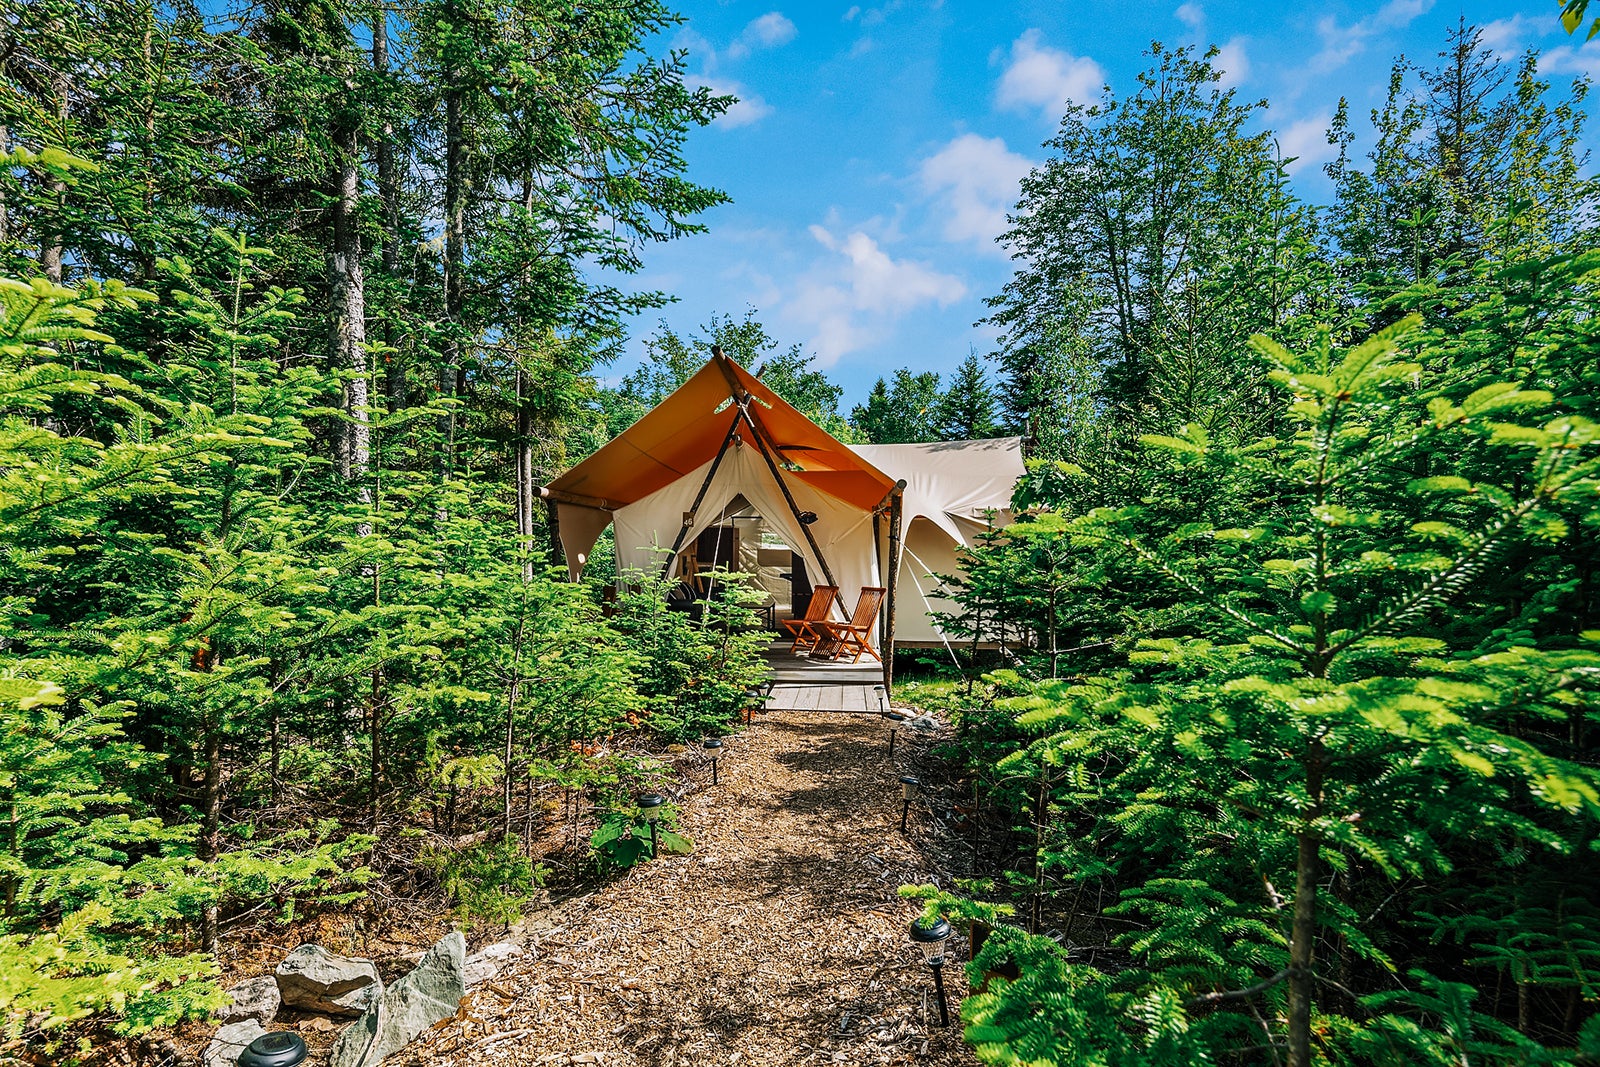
x,y
1337,676
622,840
695,673
911,408
492,882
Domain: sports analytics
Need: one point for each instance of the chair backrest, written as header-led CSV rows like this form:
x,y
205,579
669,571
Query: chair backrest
x,y
867,605
822,598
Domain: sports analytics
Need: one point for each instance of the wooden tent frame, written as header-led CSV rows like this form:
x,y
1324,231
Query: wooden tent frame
x,y
746,413
891,502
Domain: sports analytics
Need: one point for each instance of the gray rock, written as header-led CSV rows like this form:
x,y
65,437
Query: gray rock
x,y
228,1042
256,999
427,995
314,979
488,961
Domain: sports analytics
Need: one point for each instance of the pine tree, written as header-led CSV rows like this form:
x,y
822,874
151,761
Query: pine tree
x,y
967,410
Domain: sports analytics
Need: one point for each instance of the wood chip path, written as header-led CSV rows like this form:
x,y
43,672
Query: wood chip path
x,y
780,940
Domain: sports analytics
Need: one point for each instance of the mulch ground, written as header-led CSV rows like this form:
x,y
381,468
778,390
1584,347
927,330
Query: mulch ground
x,y
780,940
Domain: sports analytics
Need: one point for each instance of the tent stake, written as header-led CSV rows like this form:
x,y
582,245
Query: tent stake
x,y
683,531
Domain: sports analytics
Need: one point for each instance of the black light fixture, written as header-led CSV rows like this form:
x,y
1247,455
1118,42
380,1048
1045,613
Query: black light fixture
x,y
908,789
713,747
883,698
277,1049
650,807
808,517
931,939
895,721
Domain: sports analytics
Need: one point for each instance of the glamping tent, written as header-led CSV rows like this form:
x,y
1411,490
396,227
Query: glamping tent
x,y
724,471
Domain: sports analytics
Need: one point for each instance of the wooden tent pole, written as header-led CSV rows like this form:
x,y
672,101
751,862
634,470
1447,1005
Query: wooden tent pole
x,y
887,647
741,400
877,555
561,496
699,498
794,509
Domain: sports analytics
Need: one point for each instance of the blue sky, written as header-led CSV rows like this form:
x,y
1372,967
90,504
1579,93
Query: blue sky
x,y
877,147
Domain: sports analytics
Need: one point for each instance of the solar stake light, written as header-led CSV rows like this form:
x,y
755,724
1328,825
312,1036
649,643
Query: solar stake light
x,y
756,694
713,747
931,939
277,1049
883,698
895,720
650,807
909,787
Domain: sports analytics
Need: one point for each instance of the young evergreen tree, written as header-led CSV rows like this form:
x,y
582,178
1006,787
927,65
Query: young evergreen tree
x,y
967,410
908,410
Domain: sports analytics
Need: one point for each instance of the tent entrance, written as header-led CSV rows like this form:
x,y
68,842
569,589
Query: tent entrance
x,y
742,542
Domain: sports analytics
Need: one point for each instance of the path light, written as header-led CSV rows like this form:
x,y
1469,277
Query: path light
x,y
931,939
895,721
277,1049
883,698
650,808
753,695
909,787
713,747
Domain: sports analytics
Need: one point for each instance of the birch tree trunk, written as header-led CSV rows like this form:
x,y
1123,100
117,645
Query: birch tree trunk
x,y
347,323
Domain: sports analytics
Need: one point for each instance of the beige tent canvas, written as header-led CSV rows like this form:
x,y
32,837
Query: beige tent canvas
x,y
725,452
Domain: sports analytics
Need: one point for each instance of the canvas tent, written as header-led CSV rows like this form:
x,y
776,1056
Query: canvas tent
x,y
724,448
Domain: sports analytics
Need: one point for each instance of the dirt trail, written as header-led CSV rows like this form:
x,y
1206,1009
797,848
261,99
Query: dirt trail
x,y
780,940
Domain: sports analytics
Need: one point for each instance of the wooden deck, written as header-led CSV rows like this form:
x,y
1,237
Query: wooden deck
x,y
804,684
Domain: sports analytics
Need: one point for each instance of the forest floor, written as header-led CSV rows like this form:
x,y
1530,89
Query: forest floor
x,y
779,940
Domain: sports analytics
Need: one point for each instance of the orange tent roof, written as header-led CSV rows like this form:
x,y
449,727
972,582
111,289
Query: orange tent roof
x,y
687,429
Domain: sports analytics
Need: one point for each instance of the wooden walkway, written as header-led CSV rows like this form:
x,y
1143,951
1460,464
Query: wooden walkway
x,y
804,684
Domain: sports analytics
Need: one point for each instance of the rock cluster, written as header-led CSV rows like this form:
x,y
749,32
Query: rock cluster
x,y
315,980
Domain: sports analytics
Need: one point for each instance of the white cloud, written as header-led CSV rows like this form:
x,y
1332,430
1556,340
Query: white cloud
x,y
769,31
855,295
1340,43
876,16
1191,15
1506,35
1042,77
748,109
975,180
1233,62
1307,142
1581,59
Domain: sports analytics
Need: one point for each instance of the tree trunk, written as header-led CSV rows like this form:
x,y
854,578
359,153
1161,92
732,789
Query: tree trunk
x,y
347,324
375,766
455,201
1302,943
527,492
210,832
394,386
50,240
511,723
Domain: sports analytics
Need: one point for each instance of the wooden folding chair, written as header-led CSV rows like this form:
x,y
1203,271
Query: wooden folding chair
x,y
852,636
806,635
